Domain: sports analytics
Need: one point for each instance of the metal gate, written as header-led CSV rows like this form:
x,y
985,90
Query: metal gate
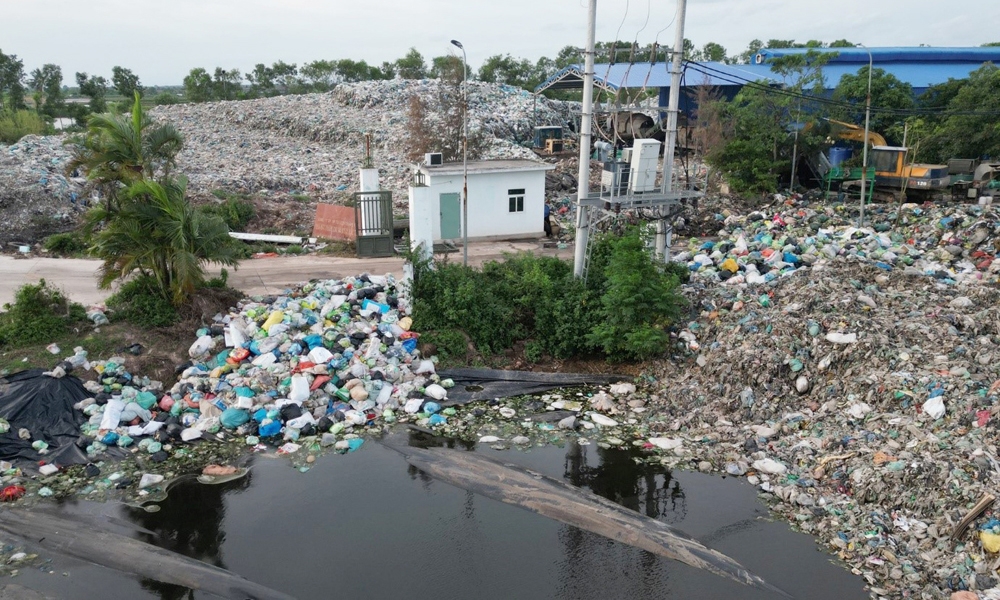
x,y
373,223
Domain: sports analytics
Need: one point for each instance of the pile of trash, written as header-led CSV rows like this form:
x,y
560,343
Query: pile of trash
x,y
313,144
861,395
953,244
36,196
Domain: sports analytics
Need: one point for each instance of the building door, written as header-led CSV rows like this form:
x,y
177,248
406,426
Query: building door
x,y
451,223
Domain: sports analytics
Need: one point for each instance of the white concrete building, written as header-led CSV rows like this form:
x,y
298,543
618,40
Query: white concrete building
x,y
506,200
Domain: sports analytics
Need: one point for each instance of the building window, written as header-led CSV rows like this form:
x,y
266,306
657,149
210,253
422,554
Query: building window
x,y
515,200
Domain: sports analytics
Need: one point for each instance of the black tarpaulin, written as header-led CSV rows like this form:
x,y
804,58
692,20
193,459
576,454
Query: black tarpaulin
x,y
486,384
44,406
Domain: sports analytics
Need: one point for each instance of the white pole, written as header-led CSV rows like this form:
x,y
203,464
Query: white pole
x,y
864,157
673,109
586,117
465,156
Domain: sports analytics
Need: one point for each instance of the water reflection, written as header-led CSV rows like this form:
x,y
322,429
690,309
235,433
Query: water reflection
x,y
190,523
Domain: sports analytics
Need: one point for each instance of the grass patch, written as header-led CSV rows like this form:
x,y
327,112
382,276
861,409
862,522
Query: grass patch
x,y
300,198
236,210
339,248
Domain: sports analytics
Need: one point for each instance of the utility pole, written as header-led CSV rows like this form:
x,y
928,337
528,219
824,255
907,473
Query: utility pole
x,y
586,125
864,160
673,108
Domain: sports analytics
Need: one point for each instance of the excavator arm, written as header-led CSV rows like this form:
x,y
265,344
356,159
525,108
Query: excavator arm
x,y
853,133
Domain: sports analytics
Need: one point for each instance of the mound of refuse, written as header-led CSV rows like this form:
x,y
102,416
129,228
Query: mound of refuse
x,y
852,375
313,144
274,148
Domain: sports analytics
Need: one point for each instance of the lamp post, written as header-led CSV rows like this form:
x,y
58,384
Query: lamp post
x,y
465,155
864,157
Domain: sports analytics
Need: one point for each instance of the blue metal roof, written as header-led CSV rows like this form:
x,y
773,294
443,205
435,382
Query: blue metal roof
x,y
921,54
920,67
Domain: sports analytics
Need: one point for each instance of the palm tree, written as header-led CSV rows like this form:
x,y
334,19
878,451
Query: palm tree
x,y
119,150
156,232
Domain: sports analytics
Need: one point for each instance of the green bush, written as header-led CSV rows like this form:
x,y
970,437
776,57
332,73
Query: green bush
x,y
14,125
141,303
622,311
65,244
294,249
237,212
39,314
166,98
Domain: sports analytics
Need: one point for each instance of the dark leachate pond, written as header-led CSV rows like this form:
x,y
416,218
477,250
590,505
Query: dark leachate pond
x,y
367,525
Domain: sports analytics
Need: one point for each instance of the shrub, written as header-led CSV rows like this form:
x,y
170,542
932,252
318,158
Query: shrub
x,y
237,212
622,311
294,249
14,125
39,314
166,98
65,244
638,302
141,303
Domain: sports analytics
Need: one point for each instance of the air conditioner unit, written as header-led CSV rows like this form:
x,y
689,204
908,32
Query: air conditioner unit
x,y
433,158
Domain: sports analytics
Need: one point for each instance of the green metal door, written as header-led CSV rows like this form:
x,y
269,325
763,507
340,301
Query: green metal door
x,y
451,224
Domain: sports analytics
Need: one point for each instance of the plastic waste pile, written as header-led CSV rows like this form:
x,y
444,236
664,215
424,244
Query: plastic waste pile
x,y
320,363
33,184
949,243
862,400
312,144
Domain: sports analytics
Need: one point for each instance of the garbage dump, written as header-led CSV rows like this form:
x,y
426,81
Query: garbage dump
x,y
37,196
278,149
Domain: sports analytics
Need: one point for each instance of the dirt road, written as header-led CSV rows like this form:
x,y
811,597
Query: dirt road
x,y
77,277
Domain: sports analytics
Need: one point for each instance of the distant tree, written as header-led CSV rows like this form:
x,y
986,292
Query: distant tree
x,y
166,98
349,71
568,55
261,81
319,75
126,82
447,68
747,56
689,49
973,135
411,66
388,70
842,44
990,44
95,88
286,78
503,68
47,85
198,86
226,84
713,52
11,82
888,92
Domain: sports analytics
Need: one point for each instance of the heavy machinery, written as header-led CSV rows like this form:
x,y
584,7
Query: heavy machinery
x,y
972,179
893,176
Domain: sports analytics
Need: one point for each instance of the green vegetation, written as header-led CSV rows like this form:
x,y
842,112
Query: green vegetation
x,y
66,244
623,311
235,210
39,313
140,303
156,231
294,249
15,124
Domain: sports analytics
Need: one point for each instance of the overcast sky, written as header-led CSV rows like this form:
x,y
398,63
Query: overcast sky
x,y
162,40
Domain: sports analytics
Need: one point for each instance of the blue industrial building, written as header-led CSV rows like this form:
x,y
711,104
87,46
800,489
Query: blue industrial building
x,y
921,67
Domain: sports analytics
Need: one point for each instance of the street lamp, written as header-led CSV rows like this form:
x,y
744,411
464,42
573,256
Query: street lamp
x,y
864,158
465,155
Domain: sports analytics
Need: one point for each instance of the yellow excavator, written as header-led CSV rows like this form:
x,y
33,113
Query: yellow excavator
x,y
892,175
